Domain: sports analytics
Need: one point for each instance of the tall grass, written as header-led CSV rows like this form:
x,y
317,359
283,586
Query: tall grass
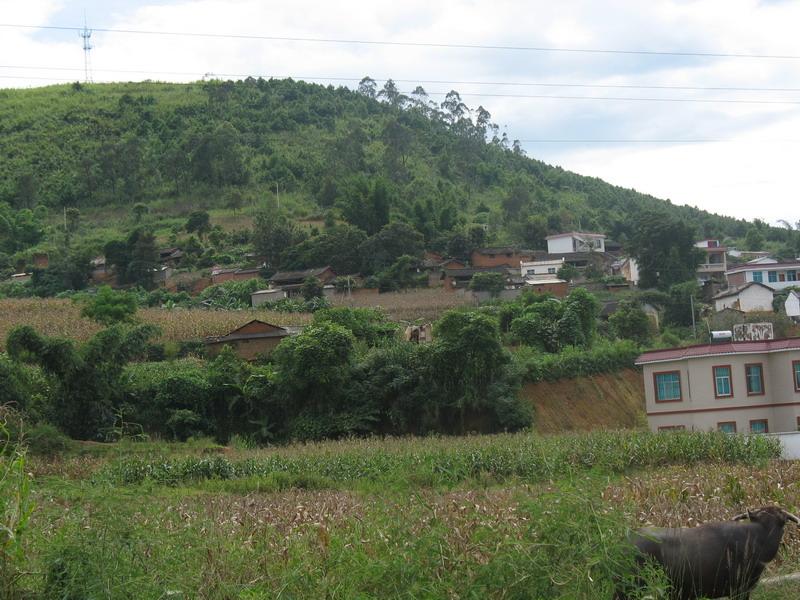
x,y
449,461
15,510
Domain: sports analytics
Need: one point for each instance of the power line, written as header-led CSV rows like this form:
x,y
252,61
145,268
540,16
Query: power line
x,y
427,81
528,96
414,44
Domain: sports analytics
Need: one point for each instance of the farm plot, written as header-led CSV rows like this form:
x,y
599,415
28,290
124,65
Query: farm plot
x,y
507,516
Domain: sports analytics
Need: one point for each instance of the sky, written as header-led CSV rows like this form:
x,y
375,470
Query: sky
x,y
729,151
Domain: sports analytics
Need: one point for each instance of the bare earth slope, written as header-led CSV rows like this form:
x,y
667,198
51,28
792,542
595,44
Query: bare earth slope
x,y
607,401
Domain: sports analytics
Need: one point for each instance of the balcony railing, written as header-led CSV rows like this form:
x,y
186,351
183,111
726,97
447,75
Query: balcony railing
x,y
711,268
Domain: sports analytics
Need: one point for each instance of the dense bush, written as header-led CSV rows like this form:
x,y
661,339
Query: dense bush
x,y
87,378
573,362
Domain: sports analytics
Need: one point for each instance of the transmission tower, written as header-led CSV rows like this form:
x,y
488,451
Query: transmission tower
x,y
86,34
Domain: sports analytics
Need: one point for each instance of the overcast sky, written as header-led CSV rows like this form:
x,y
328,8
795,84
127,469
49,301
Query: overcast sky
x,y
749,170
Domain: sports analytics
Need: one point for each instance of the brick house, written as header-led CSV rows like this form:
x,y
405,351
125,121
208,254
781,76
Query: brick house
x,y
220,275
453,279
251,340
732,386
506,256
292,281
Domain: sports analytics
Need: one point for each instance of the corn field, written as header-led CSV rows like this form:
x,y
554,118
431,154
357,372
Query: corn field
x,y
62,318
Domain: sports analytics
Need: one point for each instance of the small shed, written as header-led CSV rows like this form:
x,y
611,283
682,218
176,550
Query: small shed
x,y
265,296
253,339
748,297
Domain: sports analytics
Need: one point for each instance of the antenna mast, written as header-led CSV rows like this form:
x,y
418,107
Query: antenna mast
x,y
86,33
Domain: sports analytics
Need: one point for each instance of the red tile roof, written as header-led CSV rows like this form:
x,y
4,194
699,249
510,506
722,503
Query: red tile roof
x,y
670,354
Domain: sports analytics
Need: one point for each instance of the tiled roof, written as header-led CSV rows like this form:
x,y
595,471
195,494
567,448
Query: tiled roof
x,y
757,347
735,291
298,275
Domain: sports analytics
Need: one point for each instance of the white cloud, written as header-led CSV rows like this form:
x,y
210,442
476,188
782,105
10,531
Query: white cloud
x,y
744,179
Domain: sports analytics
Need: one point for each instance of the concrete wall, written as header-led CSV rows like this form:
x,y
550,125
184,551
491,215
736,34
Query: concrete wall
x,y
753,298
699,409
790,442
792,305
562,245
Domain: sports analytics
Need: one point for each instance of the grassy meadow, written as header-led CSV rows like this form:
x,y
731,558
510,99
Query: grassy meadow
x,y
502,516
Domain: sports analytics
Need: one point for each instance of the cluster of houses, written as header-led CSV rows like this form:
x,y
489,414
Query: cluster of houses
x,y
536,270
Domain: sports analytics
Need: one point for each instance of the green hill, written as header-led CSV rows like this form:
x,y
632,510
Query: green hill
x,y
117,144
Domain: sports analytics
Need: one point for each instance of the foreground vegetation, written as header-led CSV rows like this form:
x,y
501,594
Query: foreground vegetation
x,y
508,516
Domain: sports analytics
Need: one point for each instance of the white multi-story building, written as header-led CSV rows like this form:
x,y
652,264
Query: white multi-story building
x,y
575,241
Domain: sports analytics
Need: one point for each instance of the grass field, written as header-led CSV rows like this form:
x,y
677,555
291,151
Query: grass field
x,y
505,516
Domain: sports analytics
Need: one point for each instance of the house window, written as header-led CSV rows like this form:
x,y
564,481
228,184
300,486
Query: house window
x,y
551,270
758,276
796,372
791,275
727,426
722,382
672,428
798,423
668,386
772,276
781,276
759,426
530,272
754,374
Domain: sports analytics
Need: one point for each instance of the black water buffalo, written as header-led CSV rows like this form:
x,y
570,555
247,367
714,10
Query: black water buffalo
x,y
714,560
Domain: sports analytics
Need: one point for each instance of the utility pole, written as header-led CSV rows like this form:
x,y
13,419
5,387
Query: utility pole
x,y
86,33
694,327
277,195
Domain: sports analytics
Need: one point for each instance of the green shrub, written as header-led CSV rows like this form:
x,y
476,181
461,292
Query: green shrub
x,y
46,439
573,362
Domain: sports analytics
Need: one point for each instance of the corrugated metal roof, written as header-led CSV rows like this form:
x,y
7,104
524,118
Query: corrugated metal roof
x,y
670,354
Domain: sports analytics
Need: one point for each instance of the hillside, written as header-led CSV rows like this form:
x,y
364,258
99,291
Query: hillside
x,y
607,401
364,157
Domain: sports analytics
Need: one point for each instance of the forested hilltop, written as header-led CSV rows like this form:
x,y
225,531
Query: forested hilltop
x,y
366,156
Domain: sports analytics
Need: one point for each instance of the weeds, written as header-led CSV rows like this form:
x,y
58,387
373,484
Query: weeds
x,y
447,462
15,510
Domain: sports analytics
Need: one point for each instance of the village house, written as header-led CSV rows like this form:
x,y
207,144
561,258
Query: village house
x,y
776,275
715,261
266,296
499,257
453,279
292,281
792,305
746,298
221,275
540,268
746,387
170,256
250,341
575,241
435,268
628,268
552,285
